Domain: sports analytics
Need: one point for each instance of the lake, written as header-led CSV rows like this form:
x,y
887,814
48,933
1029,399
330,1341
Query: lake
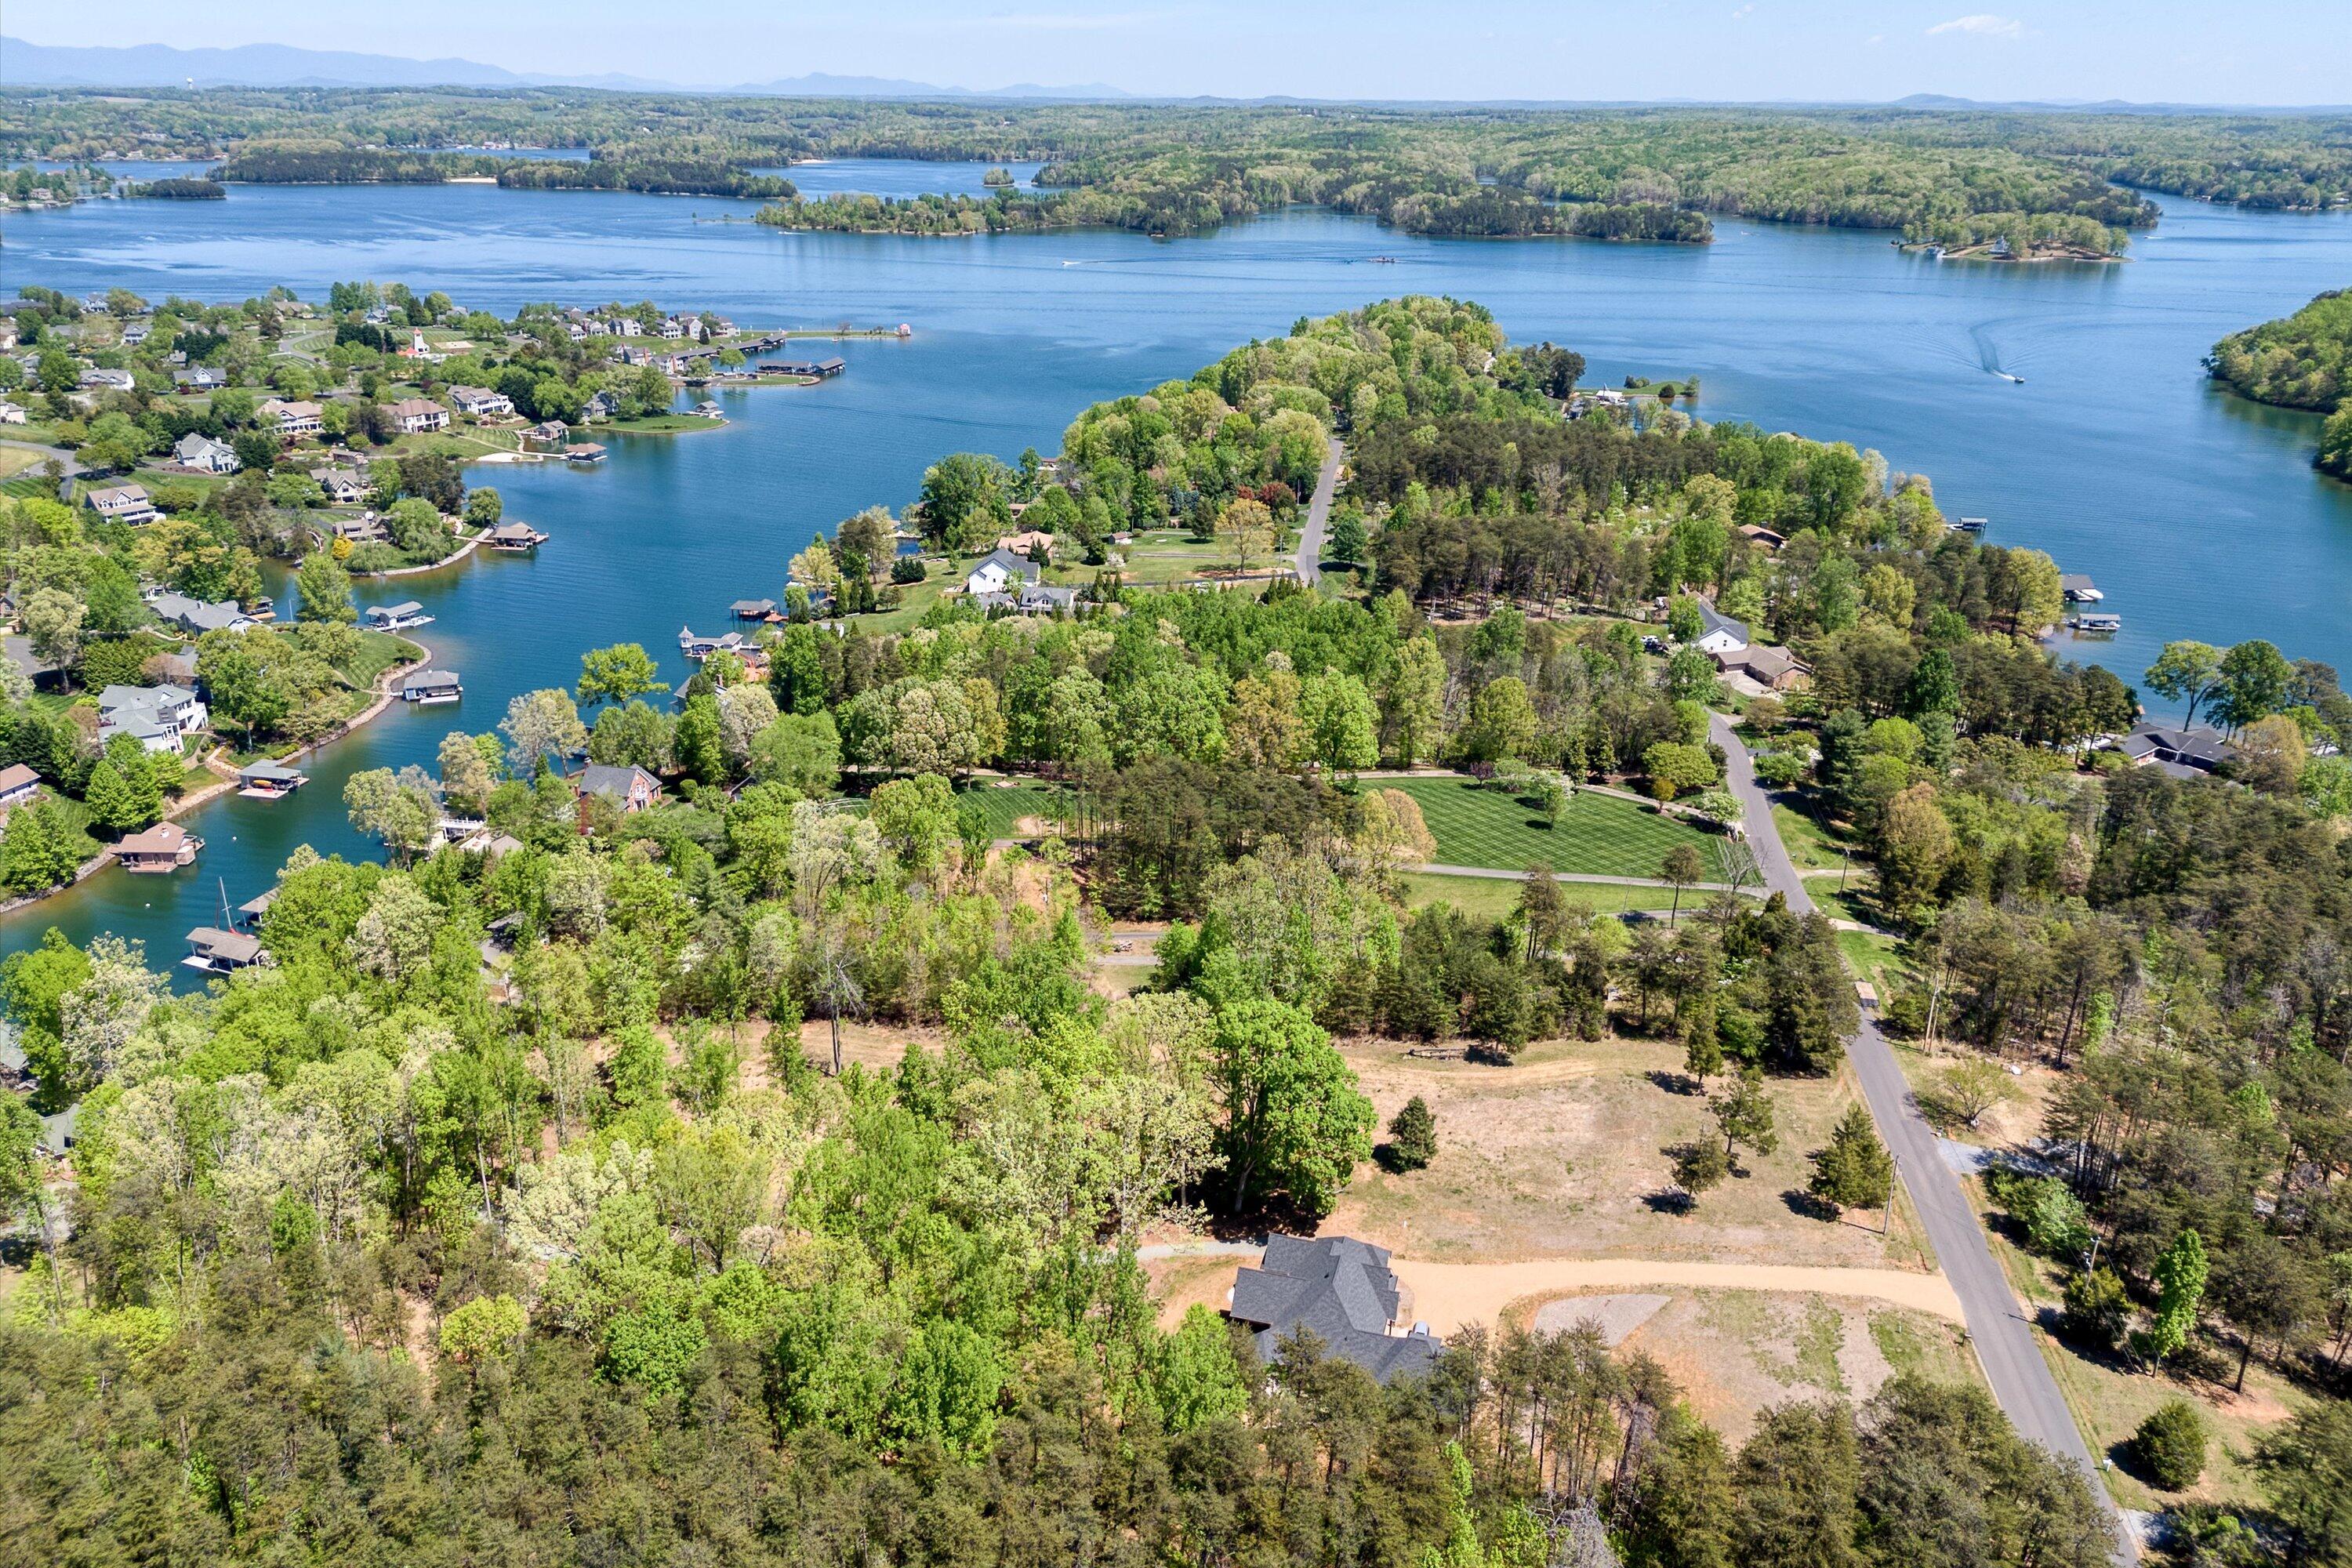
x,y
2199,514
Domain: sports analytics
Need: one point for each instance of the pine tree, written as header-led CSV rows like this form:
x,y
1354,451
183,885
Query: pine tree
x,y
1745,1114
1854,1171
1413,1136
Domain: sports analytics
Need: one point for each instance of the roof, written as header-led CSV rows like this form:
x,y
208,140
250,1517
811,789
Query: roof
x,y
147,698
197,613
16,776
607,778
1711,619
1011,564
408,407
232,945
752,606
267,769
406,608
426,680
1340,1289
1770,663
2174,746
2074,581
124,495
163,838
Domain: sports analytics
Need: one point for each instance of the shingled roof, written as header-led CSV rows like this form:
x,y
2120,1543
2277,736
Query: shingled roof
x,y
1340,1289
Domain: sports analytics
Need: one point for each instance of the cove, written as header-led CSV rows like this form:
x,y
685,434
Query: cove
x,y
2200,515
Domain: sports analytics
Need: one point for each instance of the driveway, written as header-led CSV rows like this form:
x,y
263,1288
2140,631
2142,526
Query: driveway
x,y
1998,1325
1318,515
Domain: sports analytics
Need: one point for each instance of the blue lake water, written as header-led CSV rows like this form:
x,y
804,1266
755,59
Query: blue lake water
x,y
2199,514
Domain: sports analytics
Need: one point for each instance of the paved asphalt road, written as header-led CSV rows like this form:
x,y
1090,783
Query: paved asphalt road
x,y
2004,1343
1319,513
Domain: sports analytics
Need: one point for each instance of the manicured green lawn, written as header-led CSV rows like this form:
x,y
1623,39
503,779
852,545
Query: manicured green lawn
x,y
1492,898
1007,806
1598,833
379,651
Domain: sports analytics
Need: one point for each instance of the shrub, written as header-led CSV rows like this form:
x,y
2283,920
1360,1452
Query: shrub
x,y
2170,1446
1413,1136
907,569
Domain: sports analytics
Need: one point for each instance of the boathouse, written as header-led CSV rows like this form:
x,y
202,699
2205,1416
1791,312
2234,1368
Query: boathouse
x,y
432,687
396,617
515,538
265,780
223,952
166,847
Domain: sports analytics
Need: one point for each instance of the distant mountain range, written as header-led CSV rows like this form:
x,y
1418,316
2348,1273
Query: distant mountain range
x,y
278,65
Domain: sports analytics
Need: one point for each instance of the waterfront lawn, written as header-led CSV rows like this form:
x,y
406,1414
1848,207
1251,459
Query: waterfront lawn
x,y
659,425
378,651
1598,835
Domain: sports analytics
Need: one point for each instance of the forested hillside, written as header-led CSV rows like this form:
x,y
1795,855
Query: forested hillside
x,y
2302,361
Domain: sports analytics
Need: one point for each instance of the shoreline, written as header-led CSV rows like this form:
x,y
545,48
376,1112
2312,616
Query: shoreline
x,y
385,695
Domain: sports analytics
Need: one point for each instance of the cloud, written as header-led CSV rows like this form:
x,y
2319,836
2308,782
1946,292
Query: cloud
x,y
1981,24
1744,10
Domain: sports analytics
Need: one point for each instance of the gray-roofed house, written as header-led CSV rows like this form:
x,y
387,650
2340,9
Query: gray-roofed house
x,y
2183,751
344,488
1031,599
201,452
431,687
198,616
999,568
631,788
1718,633
158,716
1340,1289
481,403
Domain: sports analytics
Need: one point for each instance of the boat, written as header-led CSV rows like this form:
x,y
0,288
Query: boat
x,y
1970,525
2095,625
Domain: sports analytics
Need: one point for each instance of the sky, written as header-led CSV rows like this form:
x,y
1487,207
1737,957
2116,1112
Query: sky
x,y
2284,52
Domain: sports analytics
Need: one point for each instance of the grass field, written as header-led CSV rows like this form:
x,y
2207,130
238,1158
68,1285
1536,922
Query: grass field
x,y
1599,835
1809,844
1007,806
1491,898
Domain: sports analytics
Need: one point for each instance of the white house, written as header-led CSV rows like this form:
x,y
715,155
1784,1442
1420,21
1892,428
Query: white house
x,y
1718,633
1000,567
298,418
159,717
415,415
481,403
196,617
123,504
197,450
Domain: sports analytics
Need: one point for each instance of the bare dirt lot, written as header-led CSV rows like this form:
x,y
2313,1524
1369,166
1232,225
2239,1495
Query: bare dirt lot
x,y
1559,1156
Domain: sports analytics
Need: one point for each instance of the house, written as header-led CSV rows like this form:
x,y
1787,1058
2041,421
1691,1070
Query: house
x,y
603,406
1718,633
199,378
98,378
122,503
631,788
1036,544
1341,1291
265,780
159,718
204,454
1763,538
18,783
698,649
481,403
432,687
166,847
343,487
1033,599
10,413
196,616
136,332
515,538
365,529
548,433
415,416
298,418
2079,588
2183,751
1773,668
396,617
1000,567
223,952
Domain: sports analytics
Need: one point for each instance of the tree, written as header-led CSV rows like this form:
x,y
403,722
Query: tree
x,y
1347,538
618,673
2170,1445
53,624
1681,868
2187,672
124,794
1745,1114
540,724
2180,1294
36,849
399,816
1673,769
1413,705
1502,721
324,591
484,507
1699,1167
2255,679
2304,1468
1854,1170
1413,1136
966,501
466,779
1339,722
1247,529
1296,1125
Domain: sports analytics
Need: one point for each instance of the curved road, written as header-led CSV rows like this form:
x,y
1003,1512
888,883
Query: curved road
x,y
1319,513
1998,1327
